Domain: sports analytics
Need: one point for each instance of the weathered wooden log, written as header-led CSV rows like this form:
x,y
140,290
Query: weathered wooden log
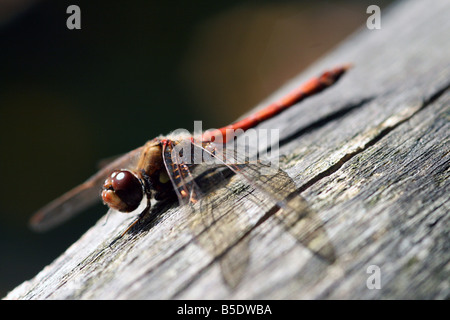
x,y
371,158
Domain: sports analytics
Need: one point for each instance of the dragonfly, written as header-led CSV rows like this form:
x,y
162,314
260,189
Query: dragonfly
x,y
155,170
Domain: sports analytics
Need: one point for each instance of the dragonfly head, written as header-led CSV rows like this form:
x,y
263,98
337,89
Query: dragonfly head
x,y
124,191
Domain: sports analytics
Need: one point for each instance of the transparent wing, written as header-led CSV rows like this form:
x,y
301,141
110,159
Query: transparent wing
x,y
179,171
267,177
219,216
220,224
81,197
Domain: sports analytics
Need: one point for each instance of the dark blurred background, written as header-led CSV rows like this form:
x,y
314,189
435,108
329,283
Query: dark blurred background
x,y
69,98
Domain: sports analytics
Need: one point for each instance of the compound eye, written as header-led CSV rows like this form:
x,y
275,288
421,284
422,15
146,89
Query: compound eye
x,y
122,191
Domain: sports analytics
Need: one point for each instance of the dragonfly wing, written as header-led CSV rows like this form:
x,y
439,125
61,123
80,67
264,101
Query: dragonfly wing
x,y
103,163
66,206
296,216
81,197
179,172
202,187
220,225
307,228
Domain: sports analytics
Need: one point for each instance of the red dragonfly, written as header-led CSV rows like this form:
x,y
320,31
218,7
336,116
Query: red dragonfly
x,y
154,170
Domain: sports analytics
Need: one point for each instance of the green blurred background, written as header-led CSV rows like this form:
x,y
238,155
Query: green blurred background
x,y
69,98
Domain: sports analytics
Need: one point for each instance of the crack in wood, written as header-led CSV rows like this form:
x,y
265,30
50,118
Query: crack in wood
x,y
334,116
388,127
